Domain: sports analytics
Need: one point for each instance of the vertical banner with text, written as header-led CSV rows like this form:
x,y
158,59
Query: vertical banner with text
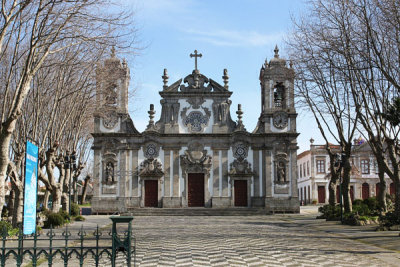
x,y
30,188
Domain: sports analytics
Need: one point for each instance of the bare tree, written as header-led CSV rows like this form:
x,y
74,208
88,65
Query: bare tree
x,y
363,37
30,32
323,89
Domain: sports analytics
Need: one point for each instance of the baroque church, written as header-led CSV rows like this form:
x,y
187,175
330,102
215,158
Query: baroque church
x,y
195,155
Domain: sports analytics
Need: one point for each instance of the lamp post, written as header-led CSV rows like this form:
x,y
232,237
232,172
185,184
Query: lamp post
x,y
69,164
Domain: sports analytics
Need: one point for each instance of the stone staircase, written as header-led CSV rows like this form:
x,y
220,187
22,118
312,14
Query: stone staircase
x,y
196,212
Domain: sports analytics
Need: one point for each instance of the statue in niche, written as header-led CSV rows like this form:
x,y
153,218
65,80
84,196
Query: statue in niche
x,y
110,172
221,111
281,172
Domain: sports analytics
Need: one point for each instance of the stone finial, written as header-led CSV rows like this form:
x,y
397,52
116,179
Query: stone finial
x,y
113,51
276,50
240,126
266,63
225,77
291,64
311,140
151,112
239,112
124,64
165,78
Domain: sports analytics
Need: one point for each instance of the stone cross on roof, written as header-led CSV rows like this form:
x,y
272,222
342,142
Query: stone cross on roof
x,y
195,55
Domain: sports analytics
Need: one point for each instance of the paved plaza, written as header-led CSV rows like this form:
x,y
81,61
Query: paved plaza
x,y
270,240
278,240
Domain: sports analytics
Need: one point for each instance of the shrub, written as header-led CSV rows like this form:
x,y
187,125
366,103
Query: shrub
x,y
361,209
329,212
4,225
64,214
389,219
54,219
79,218
75,210
372,204
357,202
314,202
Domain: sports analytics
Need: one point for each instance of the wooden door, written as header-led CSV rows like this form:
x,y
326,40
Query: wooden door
x,y
391,189
365,191
196,190
321,194
240,193
352,193
151,193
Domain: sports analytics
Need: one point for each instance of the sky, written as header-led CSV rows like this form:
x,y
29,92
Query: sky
x,y
238,35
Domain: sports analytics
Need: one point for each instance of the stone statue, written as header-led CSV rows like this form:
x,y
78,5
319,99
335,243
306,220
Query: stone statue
x,y
281,172
110,172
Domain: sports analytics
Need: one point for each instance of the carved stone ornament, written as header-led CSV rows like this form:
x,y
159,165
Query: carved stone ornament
x,y
195,121
196,102
240,151
240,168
110,119
151,168
195,159
151,151
280,119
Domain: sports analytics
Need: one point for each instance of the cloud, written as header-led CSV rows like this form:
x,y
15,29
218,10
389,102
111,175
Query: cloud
x,y
234,38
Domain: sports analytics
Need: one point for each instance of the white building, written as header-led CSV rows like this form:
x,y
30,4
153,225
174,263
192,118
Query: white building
x,y
313,173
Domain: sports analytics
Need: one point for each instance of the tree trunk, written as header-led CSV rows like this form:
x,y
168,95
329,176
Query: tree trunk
x,y
84,190
382,192
56,196
332,191
46,199
397,197
18,206
346,186
5,138
10,205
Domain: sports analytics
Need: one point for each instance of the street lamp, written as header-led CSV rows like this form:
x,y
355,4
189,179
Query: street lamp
x,y
69,164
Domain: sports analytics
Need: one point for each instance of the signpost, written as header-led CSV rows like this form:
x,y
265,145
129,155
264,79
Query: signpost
x,y
30,188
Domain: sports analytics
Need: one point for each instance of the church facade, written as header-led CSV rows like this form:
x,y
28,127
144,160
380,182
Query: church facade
x,y
195,155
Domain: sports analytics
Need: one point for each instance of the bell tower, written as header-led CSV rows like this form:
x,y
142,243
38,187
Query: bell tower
x,y
112,83
277,97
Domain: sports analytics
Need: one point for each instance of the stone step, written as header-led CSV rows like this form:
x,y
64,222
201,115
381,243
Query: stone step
x,y
196,211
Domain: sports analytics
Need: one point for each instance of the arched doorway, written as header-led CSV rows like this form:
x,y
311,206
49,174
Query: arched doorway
x,y
365,191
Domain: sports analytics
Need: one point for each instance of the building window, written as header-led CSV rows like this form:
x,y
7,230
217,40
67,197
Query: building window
x,y
308,168
301,170
364,166
320,166
304,169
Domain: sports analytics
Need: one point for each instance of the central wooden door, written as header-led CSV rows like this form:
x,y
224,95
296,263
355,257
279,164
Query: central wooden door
x,y
196,189
240,193
151,193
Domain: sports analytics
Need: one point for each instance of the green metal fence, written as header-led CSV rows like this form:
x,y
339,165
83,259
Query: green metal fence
x,y
67,247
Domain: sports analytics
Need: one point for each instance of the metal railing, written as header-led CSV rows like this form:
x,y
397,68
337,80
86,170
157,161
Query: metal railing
x,y
76,249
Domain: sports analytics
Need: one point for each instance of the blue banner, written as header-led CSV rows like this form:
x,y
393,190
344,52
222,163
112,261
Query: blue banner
x,y
30,188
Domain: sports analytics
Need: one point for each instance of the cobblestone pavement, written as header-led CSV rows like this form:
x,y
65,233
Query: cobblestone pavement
x,y
248,241
276,240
